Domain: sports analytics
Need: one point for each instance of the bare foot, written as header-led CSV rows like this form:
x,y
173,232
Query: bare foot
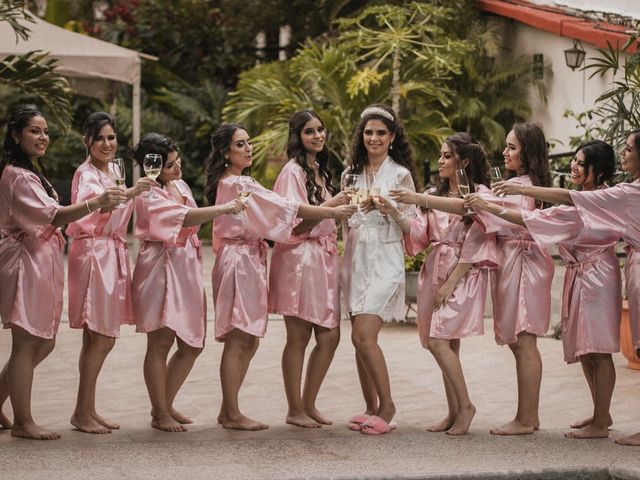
x,y
221,415
631,440
178,417
587,421
514,427
314,413
589,432
104,422
302,420
463,421
442,425
243,423
34,432
5,423
167,424
88,424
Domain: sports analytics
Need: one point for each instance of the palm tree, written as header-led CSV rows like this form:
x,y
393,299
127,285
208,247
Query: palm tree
x,y
34,73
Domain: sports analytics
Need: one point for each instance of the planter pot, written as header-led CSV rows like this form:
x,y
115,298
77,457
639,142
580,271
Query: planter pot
x,y
626,345
410,291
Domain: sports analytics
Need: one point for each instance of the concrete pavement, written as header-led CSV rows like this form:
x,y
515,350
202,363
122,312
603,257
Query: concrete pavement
x,y
284,451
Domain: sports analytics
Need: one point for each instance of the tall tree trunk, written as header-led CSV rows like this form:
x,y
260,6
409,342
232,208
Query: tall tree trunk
x,y
395,82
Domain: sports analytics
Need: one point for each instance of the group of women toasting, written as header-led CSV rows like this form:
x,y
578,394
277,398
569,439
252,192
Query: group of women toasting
x,y
478,238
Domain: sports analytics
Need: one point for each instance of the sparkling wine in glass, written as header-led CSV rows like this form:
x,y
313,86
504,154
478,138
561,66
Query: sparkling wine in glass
x,y
119,174
495,176
245,186
152,165
374,189
463,185
350,182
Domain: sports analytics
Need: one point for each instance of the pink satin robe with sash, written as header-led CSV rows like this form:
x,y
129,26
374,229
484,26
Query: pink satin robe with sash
x,y
239,276
451,242
31,262
521,285
98,262
167,284
618,209
304,275
592,291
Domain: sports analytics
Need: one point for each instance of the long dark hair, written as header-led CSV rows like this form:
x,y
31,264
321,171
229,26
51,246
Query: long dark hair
x,y
153,143
94,124
599,159
636,143
399,150
216,163
296,151
12,153
466,147
534,154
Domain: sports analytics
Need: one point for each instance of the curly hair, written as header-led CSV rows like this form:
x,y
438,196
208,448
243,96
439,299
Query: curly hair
x,y
12,153
297,152
216,163
399,150
534,154
599,159
153,143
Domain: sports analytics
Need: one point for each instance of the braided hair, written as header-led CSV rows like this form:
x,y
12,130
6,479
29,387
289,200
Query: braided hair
x,y
12,153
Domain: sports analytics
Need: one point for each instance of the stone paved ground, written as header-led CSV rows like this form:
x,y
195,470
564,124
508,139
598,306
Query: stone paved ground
x,y
284,451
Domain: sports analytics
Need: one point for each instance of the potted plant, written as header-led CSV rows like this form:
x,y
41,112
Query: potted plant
x,y
412,266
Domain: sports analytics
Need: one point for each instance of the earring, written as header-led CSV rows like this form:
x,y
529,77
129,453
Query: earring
x,y
17,141
390,147
226,164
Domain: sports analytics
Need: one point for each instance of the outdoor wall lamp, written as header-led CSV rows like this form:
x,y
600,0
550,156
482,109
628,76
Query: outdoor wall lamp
x,y
574,57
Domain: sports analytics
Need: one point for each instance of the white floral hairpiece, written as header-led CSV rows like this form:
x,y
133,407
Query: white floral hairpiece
x,y
377,111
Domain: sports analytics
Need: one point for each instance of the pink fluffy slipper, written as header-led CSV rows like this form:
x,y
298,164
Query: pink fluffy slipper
x,y
356,422
377,426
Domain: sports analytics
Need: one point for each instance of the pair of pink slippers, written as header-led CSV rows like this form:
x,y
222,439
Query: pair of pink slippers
x,y
371,424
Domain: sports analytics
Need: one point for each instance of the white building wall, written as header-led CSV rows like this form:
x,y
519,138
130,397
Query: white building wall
x,y
567,90
629,8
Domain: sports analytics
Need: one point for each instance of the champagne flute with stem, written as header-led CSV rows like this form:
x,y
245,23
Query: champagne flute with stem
x,y
119,175
463,185
495,176
245,186
152,165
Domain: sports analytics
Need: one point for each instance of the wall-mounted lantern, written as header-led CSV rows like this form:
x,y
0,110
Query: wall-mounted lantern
x,y
574,57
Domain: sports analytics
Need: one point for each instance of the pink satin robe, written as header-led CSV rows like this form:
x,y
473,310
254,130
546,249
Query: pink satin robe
x,y
98,262
521,285
239,276
591,295
372,273
451,242
303,277
167,286
618,209
31,262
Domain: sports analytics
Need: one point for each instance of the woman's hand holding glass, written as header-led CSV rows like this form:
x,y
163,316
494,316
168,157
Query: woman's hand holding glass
x,y
119,175
234,207
475,202
404,195
144,184
111,198
506,188
344,212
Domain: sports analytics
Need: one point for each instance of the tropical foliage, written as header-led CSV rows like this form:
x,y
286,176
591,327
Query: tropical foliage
x,y
33,75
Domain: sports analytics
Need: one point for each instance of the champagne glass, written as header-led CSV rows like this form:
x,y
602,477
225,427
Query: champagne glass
x,y
463,185
495,175
245,186
374,189
152,165
119,175
350,182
